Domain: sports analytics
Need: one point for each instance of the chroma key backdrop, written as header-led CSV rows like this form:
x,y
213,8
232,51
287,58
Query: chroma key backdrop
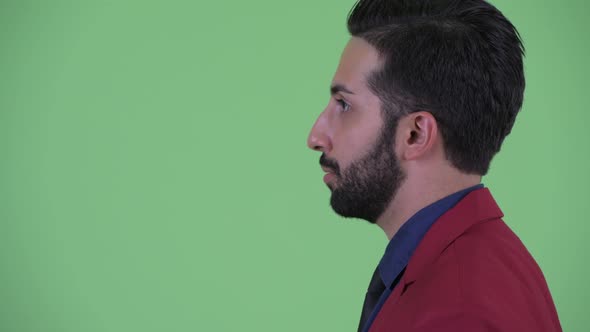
x,y
154,173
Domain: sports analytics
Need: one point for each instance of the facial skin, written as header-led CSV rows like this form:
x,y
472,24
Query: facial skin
x,y
379,171
364,171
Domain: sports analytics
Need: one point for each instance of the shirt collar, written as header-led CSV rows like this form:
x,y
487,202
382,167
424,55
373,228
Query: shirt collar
x,y
404,242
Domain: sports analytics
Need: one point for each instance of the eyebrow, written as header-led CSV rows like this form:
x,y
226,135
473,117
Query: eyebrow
x,y
339,88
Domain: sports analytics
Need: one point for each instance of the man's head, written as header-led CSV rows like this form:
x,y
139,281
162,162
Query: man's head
x,y
420,84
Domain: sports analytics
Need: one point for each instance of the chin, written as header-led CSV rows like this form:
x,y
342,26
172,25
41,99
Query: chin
x,y
352,209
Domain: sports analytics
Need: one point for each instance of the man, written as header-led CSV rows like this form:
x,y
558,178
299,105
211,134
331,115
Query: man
x,y
424,95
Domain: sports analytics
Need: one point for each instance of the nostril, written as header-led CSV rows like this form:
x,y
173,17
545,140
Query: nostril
x,y
318,148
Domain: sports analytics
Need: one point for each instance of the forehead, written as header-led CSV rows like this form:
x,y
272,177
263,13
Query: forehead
x,y
358,60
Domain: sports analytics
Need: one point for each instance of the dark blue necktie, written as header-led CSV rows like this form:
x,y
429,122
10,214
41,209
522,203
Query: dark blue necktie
x,y
376,288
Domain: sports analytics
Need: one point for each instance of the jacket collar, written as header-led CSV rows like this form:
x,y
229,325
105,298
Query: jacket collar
x,y
477,206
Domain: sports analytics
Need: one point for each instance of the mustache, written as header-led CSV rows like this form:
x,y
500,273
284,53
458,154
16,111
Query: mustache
x,y
329,163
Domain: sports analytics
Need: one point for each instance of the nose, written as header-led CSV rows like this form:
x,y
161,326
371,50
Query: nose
x,y
319,139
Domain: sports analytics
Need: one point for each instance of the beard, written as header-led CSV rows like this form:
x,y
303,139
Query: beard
x,y
366,187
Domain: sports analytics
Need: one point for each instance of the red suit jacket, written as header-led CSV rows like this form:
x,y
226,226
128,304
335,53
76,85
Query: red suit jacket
x,y
470,272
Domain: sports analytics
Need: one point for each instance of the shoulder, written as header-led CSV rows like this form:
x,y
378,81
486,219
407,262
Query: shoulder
x,y
486,277
490,256
483,280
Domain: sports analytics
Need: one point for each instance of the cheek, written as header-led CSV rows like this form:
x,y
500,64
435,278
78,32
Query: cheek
x,y
354,145
362,136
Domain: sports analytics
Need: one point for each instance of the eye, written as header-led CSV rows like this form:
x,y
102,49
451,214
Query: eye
x,y
345,106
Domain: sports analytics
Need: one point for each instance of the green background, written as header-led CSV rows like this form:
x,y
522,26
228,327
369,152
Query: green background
x,y
154,173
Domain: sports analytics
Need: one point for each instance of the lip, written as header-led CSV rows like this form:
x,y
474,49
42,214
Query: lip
x,y
327,170
329,177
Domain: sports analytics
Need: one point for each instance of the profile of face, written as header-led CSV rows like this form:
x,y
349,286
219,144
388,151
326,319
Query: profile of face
x,y
357,143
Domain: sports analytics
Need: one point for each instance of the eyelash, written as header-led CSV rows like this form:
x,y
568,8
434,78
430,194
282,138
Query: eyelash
x,y
345,106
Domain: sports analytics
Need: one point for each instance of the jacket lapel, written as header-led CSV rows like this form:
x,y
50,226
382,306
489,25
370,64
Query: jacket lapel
x,y
477,206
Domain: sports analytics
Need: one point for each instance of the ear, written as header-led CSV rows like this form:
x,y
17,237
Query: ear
x,y
418,135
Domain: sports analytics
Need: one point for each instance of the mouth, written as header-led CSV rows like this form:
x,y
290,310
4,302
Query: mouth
x,y
330,167
327,170
329,176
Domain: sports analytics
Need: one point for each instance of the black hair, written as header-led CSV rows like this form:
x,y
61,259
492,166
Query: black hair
x,y
460,60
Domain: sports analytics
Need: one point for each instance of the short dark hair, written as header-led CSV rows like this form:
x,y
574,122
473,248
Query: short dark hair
x,y
460,60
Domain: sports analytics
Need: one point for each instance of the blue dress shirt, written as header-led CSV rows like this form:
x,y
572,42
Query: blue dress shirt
x,y
404,242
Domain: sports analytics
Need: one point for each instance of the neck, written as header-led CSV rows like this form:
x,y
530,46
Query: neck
x,y
417,193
